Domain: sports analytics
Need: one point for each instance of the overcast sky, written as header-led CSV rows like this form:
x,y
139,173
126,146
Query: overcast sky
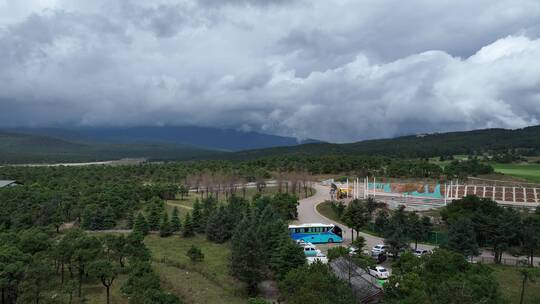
x,y
339,71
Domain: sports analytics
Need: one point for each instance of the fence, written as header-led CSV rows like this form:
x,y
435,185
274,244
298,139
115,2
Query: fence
x,y
509,261
435,237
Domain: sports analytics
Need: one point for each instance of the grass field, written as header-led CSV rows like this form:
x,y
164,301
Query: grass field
x,y
95,293
186,204
325,208
205,282
529,172
510,285
208,281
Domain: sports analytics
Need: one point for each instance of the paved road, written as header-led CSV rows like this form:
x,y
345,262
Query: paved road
x,y
307,213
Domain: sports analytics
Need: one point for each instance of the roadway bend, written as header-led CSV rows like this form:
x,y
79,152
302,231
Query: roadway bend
x,y
307,213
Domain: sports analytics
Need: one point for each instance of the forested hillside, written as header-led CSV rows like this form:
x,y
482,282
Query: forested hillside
x,y
27,148
526,141
209,138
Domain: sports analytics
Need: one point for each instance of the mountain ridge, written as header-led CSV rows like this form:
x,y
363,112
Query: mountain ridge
x,y
203,137
419,145
24,148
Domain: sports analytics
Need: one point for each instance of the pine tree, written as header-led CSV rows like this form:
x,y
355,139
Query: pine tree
x,y
418,227
381,221
92,217
246,262
188,226
176,225
396,235
273,230
530,235
141,225
165,228
195,254
108,218
356,216
208,208
153,218
130,219
289,256
462,237
197,217
220,226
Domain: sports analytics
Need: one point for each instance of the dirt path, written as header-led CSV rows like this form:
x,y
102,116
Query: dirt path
x,y
179,205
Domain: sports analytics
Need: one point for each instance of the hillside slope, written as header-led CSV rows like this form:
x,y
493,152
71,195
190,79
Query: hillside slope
x,y
210,138
427,145
27,148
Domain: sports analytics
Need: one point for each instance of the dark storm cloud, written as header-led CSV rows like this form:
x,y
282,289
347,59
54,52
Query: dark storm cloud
x,y
334,70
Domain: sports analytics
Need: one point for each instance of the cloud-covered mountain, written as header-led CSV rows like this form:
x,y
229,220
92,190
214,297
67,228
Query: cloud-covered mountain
x,y
335,70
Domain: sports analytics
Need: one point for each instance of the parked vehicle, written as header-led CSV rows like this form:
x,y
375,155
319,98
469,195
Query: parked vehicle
x,y
379,272
421,252
302,243
381,258
316,233
318,258
378,249
311,251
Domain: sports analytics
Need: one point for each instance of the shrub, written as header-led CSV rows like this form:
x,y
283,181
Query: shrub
x,y
195,254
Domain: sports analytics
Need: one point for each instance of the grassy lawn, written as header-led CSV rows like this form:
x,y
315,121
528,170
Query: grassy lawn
x,y
185,205
530,172
437,237
250,192
510,285
325,209
205,282
95,292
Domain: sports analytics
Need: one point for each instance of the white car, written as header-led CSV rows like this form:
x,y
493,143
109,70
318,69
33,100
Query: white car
x,y
421,252
318,258
378,249
301,243
311,251
379,272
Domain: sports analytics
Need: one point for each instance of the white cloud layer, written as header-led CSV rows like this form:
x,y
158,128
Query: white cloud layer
x,y
338,70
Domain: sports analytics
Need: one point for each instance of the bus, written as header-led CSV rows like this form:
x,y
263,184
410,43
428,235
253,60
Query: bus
x,y
316,233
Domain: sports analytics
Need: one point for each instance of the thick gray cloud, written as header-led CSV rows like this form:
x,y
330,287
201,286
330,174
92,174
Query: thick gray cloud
x,y
334,70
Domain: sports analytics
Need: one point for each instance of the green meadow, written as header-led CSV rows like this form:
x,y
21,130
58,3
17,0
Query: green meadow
x,y
529,172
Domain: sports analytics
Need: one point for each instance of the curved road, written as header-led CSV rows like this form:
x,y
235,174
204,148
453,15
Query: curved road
x,y
307,213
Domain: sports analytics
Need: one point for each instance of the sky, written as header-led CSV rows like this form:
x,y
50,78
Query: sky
x,y
339,71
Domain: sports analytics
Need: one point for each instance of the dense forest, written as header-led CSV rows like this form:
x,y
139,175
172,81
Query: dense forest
x,y
99,197
47,224
18,148
46,257
500,143
526,141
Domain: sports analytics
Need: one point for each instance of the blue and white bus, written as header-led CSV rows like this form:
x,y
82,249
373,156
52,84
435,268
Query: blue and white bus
x,y
316,233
